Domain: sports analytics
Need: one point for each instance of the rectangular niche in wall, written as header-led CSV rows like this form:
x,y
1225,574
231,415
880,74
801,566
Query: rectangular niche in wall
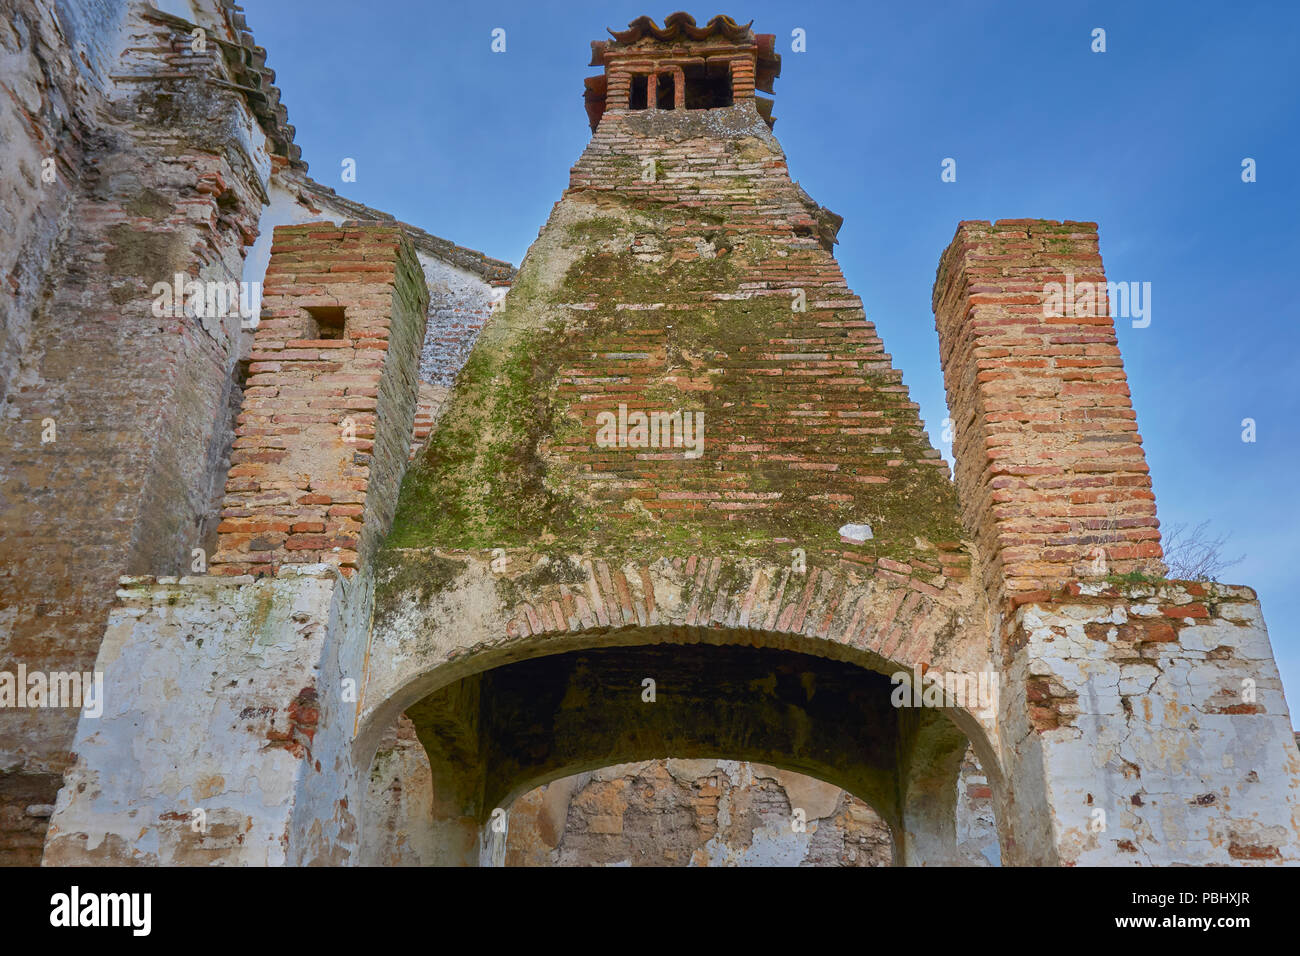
x,y
326,322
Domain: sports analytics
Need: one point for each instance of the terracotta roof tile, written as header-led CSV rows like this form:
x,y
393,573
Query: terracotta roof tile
x,y
679,25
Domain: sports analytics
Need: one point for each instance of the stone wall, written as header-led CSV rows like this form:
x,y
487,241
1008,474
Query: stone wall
x,y
694,813
113,411
718,813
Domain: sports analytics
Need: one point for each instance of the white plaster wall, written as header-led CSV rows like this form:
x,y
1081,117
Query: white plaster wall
x,y
1154,743
459,305
199,674
331,793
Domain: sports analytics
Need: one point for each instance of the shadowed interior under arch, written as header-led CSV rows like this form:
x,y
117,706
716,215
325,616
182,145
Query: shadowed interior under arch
x,y
499,733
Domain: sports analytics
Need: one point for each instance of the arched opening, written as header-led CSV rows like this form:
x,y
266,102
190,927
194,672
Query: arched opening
x,y
444,779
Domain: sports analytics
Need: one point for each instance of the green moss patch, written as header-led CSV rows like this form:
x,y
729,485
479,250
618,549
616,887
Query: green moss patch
x,y
491,476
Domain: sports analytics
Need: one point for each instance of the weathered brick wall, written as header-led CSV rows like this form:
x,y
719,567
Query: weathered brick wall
x,y
463,283
709,290
1050,466
430,401
458,310
823,417
169,182
48,101
324,419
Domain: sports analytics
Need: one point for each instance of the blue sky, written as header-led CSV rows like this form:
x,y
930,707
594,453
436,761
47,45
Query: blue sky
x,y
1146,139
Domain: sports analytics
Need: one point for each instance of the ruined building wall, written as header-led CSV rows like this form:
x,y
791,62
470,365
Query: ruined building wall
x,y
166,160
693,813
263,663
1142,720
1146,724
318,418
677,253
463,283
663,813
54,61
161,166
48,97
175,148
463,286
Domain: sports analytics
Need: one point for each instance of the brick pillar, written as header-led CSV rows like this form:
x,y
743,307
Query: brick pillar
x,y
1051,475
1140,722
313,477
742,77
619,90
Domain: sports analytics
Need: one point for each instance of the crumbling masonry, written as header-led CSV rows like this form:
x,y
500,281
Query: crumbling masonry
x,y
677,503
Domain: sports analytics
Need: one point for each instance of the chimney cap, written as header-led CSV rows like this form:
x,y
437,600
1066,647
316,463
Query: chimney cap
x,y
682,26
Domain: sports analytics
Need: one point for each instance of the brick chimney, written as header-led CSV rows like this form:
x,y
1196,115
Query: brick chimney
x,y
682,66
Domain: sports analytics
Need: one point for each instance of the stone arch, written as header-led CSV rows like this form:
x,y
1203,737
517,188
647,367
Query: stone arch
x,y
450,631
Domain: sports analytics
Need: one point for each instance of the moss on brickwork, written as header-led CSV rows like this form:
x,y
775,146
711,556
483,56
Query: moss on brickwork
x,y
419,575
629,297
1135,578
486,480
601,227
